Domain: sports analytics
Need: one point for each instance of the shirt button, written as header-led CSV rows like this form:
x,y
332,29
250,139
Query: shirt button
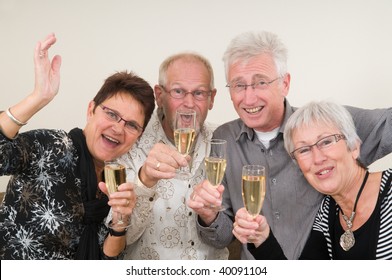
x,y
274,181
277,215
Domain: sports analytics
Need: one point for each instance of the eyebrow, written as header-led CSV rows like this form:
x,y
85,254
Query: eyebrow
x,y
259,76
175,85
254,77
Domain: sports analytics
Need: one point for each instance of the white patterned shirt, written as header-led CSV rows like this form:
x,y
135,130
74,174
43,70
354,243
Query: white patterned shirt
x,y
162,225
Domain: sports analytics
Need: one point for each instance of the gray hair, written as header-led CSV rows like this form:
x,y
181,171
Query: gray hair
x,y
187,56
251,44
325,113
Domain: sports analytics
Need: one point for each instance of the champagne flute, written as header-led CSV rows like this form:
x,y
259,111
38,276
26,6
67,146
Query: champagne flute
x,y
115,175
184,136
253,189
215,164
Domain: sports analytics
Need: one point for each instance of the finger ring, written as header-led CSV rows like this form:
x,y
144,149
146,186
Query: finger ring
x,y
193,196
127,203
41,54
158,165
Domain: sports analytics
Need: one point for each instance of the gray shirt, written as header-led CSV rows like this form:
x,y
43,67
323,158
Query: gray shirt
x,y
291,203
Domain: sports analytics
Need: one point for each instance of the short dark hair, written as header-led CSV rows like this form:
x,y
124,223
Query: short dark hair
x,y
129,83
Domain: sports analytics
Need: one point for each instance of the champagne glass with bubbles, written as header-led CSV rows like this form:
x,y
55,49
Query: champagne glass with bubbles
x,y
184,136
215,164
253,188
115,175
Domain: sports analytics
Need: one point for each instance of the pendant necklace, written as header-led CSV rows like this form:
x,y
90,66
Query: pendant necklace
x,y
347,239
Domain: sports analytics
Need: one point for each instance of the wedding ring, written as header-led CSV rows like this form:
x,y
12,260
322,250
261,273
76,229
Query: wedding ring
x,y
193,196
127,203
158,165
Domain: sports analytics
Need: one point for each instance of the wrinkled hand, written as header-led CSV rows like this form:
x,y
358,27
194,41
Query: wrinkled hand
x,y
248,229
161,163
203,197
123,201
47,73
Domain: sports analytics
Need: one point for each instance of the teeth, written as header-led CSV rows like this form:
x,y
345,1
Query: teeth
x,y
324,172
253,110
112,139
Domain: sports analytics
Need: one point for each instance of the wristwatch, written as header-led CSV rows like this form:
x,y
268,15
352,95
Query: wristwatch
x,y
113,232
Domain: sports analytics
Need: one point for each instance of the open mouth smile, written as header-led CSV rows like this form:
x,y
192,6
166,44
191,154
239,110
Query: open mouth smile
x,y
253,110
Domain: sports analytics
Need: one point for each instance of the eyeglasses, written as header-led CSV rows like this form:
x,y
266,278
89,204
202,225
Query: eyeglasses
x,y
238,87
130,126
179,93
322,144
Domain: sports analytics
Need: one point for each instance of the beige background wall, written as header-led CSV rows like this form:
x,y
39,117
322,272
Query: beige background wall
x,y
340,50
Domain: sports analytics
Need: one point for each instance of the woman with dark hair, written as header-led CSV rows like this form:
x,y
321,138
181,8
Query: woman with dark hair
x,y
55,204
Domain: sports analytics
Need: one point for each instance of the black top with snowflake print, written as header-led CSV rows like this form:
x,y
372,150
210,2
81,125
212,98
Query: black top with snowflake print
x,y
42,212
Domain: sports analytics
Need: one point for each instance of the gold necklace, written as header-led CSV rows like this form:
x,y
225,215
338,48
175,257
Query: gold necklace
x,y
347,239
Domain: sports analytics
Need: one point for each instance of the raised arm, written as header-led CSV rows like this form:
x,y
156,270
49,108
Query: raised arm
x,y
47,82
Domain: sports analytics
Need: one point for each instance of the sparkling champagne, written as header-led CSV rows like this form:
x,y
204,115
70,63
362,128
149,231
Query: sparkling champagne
x,y
215,169
253,193
114,176
183,138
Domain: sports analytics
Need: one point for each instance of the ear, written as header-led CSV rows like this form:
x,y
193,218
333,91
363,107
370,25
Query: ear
x,y
212,98
90,109
158,92
286,84
356,151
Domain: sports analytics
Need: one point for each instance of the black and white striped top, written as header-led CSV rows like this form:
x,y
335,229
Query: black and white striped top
x,y
373,239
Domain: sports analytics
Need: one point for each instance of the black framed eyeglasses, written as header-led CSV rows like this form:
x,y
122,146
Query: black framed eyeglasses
x,y
130,126
180,93
305,152
239,86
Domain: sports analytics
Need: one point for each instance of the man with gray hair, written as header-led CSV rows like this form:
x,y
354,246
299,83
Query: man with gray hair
x,y
259,82
162,226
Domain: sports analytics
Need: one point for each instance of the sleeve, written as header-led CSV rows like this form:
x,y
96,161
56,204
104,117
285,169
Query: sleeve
x,y
316,247
374,127
219,233
269,250
142,213
16,155
10,155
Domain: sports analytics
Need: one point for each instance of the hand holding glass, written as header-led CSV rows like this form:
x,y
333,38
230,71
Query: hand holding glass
x,y
184,136
253,188
115,175
215,163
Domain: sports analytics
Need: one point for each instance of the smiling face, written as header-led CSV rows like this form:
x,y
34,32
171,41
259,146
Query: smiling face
x,y
262,110
331,169
189,75
107,139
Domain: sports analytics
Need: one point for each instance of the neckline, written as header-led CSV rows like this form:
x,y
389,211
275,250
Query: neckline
x,y
349,221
